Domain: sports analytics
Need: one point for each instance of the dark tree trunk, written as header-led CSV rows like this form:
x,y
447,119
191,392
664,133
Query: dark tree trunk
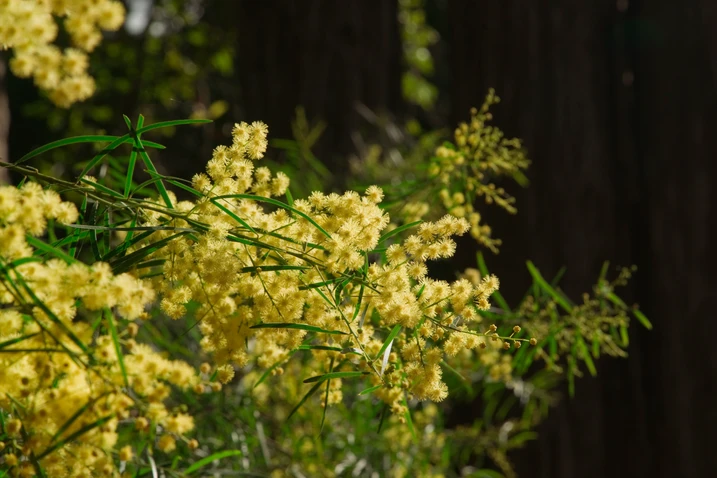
x,y
617,103
322,54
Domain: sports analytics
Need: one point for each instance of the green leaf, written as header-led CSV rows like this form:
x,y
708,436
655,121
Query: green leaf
x,y
112,228
47,248
185,187
558,276
392,335
211,458
250,269
67,141
330,375
409,421
275,203
310,328
148,162
166,124
304,399
268,371
51,315
126,262
99,156
77,235
464,381
370,389
571,376
231,214
132,162
103,188
68,423
326,397
398,230
118,347
616,300
585,355
543,284
16,340
624,336
643,320
320,347
78,433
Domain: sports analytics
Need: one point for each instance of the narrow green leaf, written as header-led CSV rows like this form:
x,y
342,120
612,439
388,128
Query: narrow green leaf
x,y
48,249
359,301
304,399
392,335
211,458
624,336
128,242
185,187
543,284
558,276
77,434
103,188
132,162
99,156
250,269
118,347
571,377
64,142
326,397
616,300
111,228
398,230
464,381
154,173
165,124
126,262
315,285
68,423
585,355
330,375
320,347
51,315
229,213
643,320
16,340
74,249
278,204
268,371
409,421
370,389
310,328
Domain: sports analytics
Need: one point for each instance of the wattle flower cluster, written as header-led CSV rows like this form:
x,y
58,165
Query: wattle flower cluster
x,y
64,387
29,28
265,274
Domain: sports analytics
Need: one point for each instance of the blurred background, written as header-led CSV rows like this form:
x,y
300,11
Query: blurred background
x,y
616,102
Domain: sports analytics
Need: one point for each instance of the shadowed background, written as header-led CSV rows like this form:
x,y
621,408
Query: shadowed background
x,y
617,105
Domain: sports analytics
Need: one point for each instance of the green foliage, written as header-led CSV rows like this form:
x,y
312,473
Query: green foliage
x,y
246,427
